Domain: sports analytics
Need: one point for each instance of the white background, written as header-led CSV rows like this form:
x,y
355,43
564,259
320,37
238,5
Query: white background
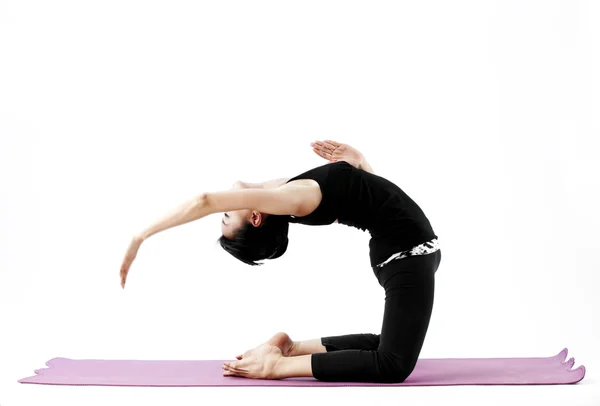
x,y
112,113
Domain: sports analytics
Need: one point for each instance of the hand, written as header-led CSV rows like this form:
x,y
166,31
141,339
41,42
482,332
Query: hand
x,y
130,255
334,151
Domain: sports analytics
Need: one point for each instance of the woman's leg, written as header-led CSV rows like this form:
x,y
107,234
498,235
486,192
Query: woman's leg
x,y
290,348
298,362
364,341
409,289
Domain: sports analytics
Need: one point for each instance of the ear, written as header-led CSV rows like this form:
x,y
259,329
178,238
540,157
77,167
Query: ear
x,y
256,218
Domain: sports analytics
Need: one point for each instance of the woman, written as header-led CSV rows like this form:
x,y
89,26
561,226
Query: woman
x,y
404,255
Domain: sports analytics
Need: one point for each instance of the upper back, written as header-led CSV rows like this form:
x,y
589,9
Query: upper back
x,y
360,199
331,180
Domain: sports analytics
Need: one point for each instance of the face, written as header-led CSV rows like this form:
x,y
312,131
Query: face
x,y
234,220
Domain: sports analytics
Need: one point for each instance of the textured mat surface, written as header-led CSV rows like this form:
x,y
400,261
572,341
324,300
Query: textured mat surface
x,y
428,372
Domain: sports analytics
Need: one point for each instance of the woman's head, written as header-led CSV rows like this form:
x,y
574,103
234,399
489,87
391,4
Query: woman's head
x,y
252,236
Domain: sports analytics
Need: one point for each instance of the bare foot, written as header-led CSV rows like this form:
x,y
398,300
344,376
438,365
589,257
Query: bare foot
x,y
260,365
280,340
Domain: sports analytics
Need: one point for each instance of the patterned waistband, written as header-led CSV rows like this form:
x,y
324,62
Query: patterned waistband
x,y
422,249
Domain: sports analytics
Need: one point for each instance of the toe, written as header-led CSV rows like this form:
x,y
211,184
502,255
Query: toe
x,y
243,363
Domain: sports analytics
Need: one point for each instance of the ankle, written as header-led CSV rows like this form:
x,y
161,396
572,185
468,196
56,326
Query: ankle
x,y
293,350
279,369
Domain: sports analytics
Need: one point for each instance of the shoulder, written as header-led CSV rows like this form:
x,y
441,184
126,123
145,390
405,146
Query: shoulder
x,y
289,199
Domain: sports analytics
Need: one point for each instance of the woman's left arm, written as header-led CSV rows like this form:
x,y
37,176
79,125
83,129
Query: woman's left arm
x,y
184,213
280,201
283,200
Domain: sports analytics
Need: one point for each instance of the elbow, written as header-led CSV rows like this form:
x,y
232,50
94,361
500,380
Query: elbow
x,y
205,204
298,208
202,201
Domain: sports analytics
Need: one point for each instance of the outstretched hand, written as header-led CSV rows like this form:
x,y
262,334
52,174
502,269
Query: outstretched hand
x,y
334,151
130,255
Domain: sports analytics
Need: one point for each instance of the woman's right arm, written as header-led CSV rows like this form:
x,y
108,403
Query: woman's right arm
x,y
335,151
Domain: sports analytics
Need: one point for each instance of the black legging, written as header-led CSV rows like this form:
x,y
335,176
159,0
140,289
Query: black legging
x,y
389,357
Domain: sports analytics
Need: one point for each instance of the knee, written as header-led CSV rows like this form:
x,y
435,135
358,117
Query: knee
x,y
392,368
395,376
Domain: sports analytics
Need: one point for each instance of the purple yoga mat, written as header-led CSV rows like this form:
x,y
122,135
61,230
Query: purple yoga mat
x,y
428,372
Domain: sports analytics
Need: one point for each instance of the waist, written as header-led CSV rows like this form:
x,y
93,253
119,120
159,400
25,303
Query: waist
x,y
425,248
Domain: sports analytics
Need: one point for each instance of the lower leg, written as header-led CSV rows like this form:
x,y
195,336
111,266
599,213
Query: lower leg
x,y
306,347
290,367
326,344
291,348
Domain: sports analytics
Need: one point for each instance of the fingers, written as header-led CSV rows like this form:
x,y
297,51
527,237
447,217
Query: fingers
x,y
130,255
124,271
333,144
323,150
322,154
127,261
324,146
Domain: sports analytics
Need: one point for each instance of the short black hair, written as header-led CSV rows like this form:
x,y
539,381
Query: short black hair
x,y
251,244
